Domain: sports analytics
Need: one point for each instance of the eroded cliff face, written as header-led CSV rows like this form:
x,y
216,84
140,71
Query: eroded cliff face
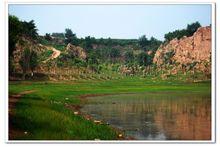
x,y
76,51
21,45
188,53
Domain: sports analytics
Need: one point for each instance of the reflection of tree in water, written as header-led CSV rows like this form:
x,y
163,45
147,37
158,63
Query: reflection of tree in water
x,y
149,129
188,117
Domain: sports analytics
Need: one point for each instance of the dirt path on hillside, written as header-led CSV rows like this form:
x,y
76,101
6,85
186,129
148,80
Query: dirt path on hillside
x,y
13,99
55,54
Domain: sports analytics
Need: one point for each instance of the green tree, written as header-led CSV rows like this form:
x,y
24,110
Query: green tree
x,y
15,30
153,44
189,31
114,54
93,61
87,43
129,57
33,61
29,29
143,59
70,37
109,42
25,62
28,61
192,28
58,35
175,34
48,37
143,42
101,41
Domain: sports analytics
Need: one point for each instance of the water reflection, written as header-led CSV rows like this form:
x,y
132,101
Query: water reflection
x,y
151,116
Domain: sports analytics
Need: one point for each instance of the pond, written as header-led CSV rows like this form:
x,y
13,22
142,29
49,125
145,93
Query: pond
x,y
155,115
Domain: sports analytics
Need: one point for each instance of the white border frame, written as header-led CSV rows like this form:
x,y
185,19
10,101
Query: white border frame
x,y
213,82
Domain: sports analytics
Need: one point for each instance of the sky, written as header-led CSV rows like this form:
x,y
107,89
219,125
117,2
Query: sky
x,y
114,21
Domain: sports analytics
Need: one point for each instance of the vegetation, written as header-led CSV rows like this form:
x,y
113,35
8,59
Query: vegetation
x,y
44,112
191,28
19,28
70,37
110,66
28,61
128,52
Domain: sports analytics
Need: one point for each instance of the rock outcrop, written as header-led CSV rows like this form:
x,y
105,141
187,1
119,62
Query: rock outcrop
x,y
76,51
19,48
187,53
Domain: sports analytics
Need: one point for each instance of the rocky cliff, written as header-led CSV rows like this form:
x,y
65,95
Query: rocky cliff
x,y
76,51
19,48
188,53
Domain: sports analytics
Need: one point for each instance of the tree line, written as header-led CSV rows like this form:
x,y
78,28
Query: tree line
x,y
188,31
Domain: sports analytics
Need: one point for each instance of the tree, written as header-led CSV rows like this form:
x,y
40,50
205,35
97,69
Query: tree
x,y
101,41
129,57
28,61
58,35
191,28
48,37
175,34
87,43
109,42
70,37
143,42
153,44
33,61
15,29
19,28
93,61
24,61
189,31
114,53
143,59
29,29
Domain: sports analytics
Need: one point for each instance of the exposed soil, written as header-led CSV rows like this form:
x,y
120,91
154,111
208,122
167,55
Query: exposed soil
x,y
73,107
93,95
13,99
55,54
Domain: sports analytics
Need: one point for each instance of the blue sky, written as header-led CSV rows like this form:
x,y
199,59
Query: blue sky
x,y
115,21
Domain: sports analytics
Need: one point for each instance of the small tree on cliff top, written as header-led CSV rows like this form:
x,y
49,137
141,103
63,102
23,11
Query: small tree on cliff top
x,y
70,37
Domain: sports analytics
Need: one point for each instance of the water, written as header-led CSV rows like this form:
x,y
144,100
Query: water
x,y
155,116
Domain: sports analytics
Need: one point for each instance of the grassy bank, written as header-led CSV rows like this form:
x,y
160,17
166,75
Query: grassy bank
x,y
43,114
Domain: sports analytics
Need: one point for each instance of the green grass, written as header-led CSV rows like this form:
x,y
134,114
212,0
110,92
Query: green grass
x,y
59,47
45,55
44,116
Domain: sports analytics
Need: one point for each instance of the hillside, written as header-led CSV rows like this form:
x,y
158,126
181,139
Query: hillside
x,y
64,56
186,54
